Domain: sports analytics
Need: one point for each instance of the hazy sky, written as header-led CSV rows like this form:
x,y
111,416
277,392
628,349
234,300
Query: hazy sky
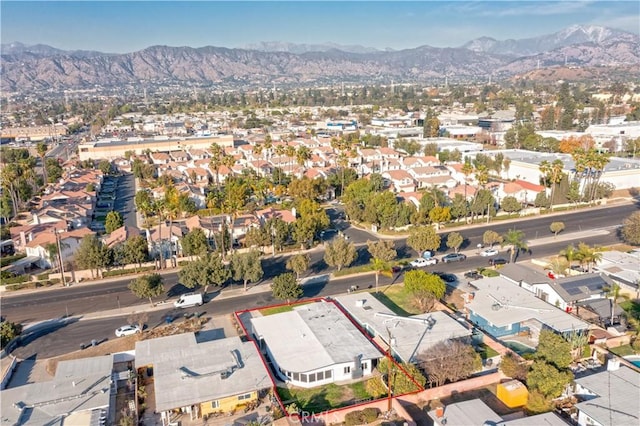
x,y
126,26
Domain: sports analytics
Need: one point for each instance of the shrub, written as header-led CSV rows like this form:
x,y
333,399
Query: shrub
x,y
371,414
8,260
354,418
42,277
490,273
16,279
118,272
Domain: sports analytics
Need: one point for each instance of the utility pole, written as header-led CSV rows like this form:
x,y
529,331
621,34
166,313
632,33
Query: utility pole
x,y
64,280
389,397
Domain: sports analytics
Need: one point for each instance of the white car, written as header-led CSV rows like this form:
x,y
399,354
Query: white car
x,y
421,262
489,252
127,330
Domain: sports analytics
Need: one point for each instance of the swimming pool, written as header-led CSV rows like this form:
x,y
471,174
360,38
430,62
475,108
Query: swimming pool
x,y
633,359
518,347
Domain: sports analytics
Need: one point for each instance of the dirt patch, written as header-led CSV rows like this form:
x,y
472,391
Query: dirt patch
x,y
128,343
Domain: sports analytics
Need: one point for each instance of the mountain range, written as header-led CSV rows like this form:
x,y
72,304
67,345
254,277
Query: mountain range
x,y
41,67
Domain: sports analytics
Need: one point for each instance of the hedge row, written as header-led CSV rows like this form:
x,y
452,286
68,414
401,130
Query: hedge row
x,y
8,260
118,272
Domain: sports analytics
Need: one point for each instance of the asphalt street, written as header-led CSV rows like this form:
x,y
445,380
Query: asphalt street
x,y
82,299
85,299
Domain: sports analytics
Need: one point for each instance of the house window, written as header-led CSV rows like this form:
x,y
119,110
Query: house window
x,y
320,375
244,397
296,376
215,404
327,374
364,366
303,378
347,369
312,377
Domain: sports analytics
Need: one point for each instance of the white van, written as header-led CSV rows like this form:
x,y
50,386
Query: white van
x,y
188,300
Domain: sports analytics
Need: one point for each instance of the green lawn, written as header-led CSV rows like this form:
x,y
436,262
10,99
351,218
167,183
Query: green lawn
x,y
395,298
322,398
353,270
624,350
486,351
280,309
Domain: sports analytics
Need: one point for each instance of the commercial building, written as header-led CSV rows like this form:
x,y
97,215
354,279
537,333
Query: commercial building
x,y
315,344
110,149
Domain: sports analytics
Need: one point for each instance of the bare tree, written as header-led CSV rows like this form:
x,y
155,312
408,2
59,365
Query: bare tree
x,y
449,361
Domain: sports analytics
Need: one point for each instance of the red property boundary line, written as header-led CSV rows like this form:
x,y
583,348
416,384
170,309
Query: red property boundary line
x,y
352,320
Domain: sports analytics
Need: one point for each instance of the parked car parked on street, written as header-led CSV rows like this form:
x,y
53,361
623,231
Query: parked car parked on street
x,y
127,330
453,257
422,262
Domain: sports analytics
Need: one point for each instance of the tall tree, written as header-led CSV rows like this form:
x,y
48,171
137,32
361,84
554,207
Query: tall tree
x,y
194,243
340,253
491,238
113,221
454,241
299,264
286,287
424,238
149,285
92,254
136,250
206,271
41,149
247,267
515,239
425,289
614,293
631,229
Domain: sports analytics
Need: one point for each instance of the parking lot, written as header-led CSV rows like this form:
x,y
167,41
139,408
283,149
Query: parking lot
x,y
116,193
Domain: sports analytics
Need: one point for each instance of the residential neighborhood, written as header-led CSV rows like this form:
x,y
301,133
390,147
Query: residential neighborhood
x,y
443,253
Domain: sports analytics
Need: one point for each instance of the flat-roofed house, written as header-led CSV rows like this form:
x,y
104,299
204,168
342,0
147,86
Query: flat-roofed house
x,y
315,344
202,377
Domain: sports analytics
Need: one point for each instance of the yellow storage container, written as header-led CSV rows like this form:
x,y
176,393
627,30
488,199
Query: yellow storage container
x,y
512,393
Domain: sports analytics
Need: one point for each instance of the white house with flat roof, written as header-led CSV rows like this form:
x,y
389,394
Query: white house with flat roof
x,y
315,344
410,336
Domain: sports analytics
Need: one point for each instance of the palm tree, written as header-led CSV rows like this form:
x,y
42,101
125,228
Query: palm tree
x,y
291,153
216,160
381,267
257,150
614,294
515,240
588,255
303,155
570,253
555,177
42,149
